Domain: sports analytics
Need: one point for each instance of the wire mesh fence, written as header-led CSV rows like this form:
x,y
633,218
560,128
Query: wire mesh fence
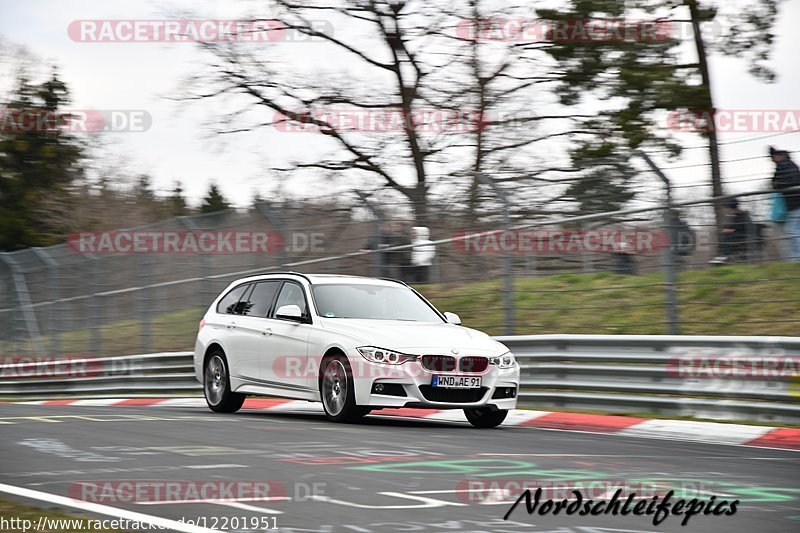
x,y
650,270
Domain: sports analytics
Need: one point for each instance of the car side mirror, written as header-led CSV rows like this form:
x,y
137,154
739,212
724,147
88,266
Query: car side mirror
x,y
290,312
453,318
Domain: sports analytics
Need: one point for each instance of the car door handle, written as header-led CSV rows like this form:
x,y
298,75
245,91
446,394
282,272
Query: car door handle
x,y
267,331
231,325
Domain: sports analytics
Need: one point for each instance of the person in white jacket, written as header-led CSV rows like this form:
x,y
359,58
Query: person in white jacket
x,y
422,254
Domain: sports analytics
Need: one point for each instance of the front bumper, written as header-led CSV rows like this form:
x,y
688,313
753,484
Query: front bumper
x,y
416,387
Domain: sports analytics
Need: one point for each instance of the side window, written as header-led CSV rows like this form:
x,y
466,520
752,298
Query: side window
x,y
261,298
228,304
291,294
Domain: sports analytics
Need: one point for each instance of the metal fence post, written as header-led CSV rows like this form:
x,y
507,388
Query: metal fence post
x,y
377,221
142,307
508,267
7,333
95,305
673,324
25,304
277,222
587,261
54,289
205,267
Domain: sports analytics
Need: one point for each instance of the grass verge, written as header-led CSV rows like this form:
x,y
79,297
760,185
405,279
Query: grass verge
x,y
731,300
17,517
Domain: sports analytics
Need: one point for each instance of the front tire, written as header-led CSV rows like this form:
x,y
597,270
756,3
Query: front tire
x,y
217,385
485,418
337,390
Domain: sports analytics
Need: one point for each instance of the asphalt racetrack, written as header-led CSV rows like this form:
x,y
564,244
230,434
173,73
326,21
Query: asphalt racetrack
x,y
386,474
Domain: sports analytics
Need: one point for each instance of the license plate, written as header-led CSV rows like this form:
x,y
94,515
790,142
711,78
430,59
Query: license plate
x,y
457,382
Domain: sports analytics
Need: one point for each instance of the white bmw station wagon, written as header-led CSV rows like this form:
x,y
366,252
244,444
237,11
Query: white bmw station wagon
x,y
355,344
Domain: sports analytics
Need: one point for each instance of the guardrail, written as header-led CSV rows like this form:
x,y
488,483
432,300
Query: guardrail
x,y
170,373
721,378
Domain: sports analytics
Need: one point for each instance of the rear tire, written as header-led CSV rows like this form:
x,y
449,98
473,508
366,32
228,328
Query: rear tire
x,y
485,418
217,385
337,391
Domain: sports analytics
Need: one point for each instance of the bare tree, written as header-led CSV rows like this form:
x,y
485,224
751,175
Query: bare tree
x,y
462,104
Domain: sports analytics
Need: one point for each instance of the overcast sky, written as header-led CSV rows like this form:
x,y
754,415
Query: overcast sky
x,y
180,146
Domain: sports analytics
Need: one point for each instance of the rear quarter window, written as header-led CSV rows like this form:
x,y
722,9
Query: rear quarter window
x,y
227,305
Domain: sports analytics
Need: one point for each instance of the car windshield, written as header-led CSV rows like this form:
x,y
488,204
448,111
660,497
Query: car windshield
x,y
376,302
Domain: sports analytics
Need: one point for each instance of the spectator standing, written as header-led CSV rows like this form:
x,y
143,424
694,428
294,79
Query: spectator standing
x,y
777,216
737,233
400,259
625,260
378,244
422,254
685,238
787,177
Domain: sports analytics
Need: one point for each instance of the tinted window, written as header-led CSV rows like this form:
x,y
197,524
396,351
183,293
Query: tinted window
x,y
292,294
377,302
261,298
228,304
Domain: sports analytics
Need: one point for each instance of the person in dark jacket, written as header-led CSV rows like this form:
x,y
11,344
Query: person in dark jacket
x,y
400,259
378,243
625,260
685,238
737,233
786,178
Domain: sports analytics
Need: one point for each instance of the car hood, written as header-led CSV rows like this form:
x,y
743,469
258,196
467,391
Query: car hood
x,y
415,337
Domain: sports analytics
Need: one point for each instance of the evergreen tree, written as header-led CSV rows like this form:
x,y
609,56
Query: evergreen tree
x,y
214,201
143,190
643,78
177,202
605,183
39,161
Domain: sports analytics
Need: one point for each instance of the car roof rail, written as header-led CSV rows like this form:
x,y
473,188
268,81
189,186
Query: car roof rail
x,y
394,280
288,272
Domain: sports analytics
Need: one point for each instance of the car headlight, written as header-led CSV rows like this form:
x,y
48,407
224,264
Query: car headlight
x,y
506,360
381,355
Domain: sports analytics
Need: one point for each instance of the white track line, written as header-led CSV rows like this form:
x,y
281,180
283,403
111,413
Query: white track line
x,y
692,431
182,402
97,508
96,402
673,430
297,406
245,507
212,500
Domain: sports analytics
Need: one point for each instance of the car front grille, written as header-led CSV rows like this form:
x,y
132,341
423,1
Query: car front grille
x,y
439,363
473,364
436,394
